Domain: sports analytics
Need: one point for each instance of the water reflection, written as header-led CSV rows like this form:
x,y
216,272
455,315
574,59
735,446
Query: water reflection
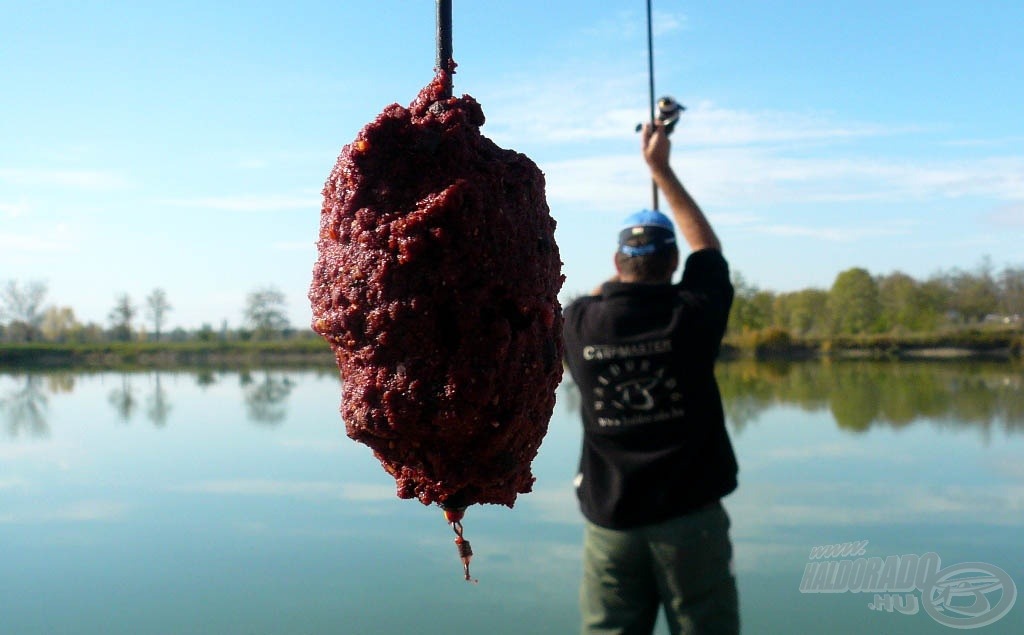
x,y
265,398
122,398
158,406
61,383
205,378
864,394
24,403
24,408
858,394
202,505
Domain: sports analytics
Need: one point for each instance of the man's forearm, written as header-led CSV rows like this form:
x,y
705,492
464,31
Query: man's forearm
x,y
688,216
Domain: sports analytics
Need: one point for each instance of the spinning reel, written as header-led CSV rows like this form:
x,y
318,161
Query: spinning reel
x,y
668,114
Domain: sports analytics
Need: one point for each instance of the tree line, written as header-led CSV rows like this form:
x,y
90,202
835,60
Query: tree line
x,y
856,303
25,316
861,303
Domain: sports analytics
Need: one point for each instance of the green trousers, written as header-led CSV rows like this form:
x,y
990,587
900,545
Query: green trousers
x,y
682,565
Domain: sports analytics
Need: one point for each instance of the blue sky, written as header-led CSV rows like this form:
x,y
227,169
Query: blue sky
x,y
184,146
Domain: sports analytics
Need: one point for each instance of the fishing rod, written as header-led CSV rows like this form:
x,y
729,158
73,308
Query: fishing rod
x,y
444,43
650,90
666,110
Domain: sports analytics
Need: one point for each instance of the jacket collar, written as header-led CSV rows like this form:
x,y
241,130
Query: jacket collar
x,y
636,290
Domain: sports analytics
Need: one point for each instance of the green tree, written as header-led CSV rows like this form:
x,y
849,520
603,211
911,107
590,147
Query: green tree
x,y
121,317
802,312
205,333
90,332
974,295
265,312
59,324
751,307
936,293
853,302
905,305
157,308
22,306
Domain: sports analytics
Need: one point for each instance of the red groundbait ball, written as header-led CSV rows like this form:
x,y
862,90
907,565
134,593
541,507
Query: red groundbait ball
x,y
436,285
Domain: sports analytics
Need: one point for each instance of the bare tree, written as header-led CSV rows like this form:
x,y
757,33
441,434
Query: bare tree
x,y
265,312
121,317
973,295
157,308
22,307
1011,290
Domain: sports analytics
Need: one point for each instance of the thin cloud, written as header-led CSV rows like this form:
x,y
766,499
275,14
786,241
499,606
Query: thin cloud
x,y
11,483
569,106
834,234
304,245
566,105
554,504
733,219
366,492
623,26
1008,216
253,164
78,511
663,22
729,178
570,102
14,210
28,243
328,490
797,505
318,446
80,179
705,123
1011,468
632,25
997,142
247,203
91,511
603,184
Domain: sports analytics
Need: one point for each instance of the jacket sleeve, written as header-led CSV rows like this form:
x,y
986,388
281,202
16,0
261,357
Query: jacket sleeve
x,y
706,276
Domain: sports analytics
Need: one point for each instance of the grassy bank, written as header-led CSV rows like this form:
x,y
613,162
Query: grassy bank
x,y
773,343
768,343
127,355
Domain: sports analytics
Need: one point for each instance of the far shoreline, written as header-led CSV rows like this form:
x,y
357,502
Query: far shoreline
x,y
299,353
313,352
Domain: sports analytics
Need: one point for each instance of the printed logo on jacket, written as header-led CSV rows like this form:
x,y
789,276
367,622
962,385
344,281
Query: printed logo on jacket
x,y
632,389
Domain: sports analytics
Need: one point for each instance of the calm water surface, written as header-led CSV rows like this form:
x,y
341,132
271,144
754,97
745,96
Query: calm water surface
x,y
232,502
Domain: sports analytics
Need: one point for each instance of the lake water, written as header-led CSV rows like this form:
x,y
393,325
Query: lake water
x,y
232,502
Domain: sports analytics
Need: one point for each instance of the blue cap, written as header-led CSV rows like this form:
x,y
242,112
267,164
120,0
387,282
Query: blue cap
x,y
646,232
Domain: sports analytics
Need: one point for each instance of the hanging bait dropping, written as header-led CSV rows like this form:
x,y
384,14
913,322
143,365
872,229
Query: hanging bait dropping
x,y
454,517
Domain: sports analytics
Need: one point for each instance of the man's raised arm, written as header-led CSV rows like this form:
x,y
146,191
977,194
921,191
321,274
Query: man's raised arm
x,y
687,214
